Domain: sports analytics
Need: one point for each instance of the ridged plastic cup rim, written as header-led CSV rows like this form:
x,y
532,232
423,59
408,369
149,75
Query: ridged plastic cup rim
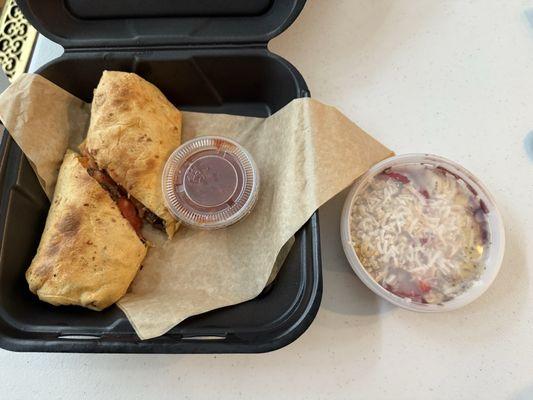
x,y
223,218
494,220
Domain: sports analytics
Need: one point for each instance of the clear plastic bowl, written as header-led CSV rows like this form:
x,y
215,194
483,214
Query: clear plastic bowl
x,y
494,247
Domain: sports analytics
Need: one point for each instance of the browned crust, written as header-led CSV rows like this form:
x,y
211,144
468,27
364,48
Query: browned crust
x,y
88,254
133,130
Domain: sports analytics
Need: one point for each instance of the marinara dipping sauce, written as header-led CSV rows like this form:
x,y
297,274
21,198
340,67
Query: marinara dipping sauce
x,y
210,182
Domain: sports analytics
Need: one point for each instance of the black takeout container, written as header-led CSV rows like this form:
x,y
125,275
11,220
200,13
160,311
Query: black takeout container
x,y
205,55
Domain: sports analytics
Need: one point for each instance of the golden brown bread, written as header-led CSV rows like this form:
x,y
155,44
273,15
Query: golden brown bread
x,y
132,132
89,253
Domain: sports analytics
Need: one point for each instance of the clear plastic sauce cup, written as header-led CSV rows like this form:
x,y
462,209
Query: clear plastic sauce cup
x,y
210,182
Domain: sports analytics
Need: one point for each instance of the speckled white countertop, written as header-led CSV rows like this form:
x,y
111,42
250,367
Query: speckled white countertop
x,y
449,77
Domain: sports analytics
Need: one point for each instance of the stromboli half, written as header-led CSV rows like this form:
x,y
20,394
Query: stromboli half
x,y
88,254
132,132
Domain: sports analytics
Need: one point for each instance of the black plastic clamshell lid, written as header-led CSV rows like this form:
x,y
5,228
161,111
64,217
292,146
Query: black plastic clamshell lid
x,y
141,23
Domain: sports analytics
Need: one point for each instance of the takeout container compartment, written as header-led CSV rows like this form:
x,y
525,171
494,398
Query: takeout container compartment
x,y
210,60
495,244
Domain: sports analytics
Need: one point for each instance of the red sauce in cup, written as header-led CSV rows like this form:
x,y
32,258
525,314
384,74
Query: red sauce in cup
x,y
210,182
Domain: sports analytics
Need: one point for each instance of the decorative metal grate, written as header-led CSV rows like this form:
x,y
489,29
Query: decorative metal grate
x,y
17,37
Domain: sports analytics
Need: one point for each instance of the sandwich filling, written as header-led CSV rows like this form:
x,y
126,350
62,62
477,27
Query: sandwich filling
x,y
131,209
